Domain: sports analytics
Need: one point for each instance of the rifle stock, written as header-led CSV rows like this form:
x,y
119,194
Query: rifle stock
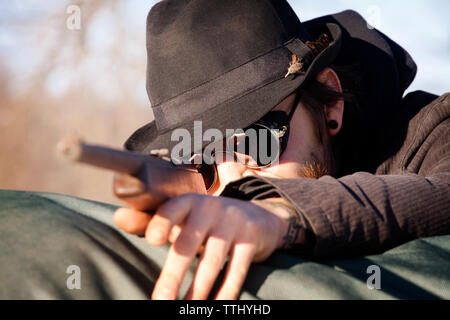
x,y
143,182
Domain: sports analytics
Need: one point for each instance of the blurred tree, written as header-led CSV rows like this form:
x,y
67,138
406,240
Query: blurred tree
x,y
82,81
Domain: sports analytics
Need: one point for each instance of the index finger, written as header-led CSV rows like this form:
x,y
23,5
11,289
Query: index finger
x,y
171,213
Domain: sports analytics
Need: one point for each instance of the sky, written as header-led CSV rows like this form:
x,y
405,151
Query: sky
x,y
421,27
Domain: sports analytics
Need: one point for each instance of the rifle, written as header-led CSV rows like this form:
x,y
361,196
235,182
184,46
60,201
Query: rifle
x,y
143,182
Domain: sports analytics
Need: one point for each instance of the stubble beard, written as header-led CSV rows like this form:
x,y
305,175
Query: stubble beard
x,y
319,166
313,170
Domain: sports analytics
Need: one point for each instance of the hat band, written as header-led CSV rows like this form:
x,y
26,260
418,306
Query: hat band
x,y
246,78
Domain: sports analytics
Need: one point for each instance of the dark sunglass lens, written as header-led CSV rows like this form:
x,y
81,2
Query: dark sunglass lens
x,y
267,147
261,144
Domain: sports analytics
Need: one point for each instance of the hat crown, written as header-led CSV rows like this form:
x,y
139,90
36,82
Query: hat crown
x,y
192,42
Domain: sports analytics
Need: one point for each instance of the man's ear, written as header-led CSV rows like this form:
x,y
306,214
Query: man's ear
x,y
334,111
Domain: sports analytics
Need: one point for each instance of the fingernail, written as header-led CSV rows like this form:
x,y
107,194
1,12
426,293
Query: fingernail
x,y
156,235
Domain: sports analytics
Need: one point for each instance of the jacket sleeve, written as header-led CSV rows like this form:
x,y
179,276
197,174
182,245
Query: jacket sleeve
x,y
364,213
367,214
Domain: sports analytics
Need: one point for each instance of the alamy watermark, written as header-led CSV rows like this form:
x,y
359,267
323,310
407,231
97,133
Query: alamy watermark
x,y
73,21
374,281
258,145
73,281
374,17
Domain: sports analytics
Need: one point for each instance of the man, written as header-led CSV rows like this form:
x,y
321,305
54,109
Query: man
x,y
358,170
383,163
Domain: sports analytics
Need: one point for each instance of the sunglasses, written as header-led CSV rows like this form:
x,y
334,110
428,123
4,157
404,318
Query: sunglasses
x,y
260,145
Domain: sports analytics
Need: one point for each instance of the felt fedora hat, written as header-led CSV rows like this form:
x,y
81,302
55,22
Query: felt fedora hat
x,y
224,63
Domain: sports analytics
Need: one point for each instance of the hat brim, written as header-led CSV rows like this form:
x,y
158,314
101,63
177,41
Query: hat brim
x,y
242,111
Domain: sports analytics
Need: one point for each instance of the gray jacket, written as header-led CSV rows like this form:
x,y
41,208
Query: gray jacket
x,y
407,197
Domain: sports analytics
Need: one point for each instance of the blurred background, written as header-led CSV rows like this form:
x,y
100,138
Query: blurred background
x,y
79,67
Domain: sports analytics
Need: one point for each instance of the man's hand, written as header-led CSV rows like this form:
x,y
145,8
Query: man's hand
x,y
245,231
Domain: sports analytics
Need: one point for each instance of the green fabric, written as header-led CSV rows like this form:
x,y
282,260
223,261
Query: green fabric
x,y
42,234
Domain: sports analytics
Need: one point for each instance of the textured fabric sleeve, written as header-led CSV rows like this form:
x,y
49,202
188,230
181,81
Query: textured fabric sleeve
x,y
365,213
250,189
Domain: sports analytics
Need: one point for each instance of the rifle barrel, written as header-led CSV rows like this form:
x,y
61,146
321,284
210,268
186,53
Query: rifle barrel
x,y
74,149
